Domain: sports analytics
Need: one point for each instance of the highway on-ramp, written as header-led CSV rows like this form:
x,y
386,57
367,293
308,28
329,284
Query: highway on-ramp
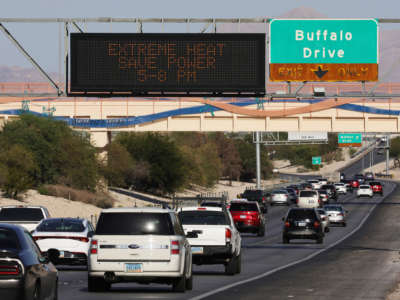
x,y
262,257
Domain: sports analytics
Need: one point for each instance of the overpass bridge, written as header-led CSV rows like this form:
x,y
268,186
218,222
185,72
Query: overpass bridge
x,y
101,117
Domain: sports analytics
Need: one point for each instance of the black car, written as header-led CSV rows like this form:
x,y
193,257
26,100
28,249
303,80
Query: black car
x,y
360,178
257,195
302,223
24,272
331,190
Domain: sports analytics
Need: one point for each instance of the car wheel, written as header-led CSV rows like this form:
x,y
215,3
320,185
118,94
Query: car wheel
x,y
261,231
344,224
179,284
56,291
320,240
381,194
285,240
98,284
327,229
239,264
189,281
36,291
272,204
230,267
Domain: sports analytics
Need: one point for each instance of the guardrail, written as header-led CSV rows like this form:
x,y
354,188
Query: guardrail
x,y
382,175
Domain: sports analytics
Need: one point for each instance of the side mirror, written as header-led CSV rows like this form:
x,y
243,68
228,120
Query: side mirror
x,y
192,235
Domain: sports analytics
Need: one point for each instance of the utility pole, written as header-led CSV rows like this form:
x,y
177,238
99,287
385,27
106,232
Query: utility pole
x,y
258,160
387,153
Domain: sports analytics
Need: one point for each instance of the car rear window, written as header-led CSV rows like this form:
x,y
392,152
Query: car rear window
x,y
375,183
365,186
21,214
243,207
201,217
301,214
134,224
61,225
307,193
212,204
279,192
251,193
334,208
8,239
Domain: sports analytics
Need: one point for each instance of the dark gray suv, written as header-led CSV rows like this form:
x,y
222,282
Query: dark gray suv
x,y
302,223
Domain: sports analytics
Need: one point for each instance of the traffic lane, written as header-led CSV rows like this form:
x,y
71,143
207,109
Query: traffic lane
x,y
365,266
356,167
259,255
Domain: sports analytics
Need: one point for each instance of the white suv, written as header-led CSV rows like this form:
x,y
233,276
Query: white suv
x,y
140,245
27,216
213,236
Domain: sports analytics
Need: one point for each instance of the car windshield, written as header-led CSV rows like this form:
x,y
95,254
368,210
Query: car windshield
x,y
61,225
8,239
21,214
332,208
132,223
201,217
243,207
301,214
321,211
307,193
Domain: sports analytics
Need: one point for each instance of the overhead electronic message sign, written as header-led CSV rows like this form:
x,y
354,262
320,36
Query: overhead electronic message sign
x,y
324,50
165,64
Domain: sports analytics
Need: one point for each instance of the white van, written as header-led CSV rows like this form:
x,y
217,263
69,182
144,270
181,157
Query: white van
x,y
308,199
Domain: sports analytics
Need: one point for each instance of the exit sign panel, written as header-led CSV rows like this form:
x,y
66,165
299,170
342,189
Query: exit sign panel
x,y
324,50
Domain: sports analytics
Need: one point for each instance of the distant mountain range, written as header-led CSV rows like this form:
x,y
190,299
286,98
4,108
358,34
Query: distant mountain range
x,y
389,71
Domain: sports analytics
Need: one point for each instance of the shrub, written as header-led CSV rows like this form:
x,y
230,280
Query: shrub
x,y
17,170
101,200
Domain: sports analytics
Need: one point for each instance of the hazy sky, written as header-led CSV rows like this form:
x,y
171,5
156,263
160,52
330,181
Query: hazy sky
x,y
43,40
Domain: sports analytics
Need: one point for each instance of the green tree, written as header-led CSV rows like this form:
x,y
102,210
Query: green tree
x,y
17,168
165,161
394,150
61,154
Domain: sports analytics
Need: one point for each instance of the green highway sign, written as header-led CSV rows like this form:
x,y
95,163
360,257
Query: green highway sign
x,y
323,49
349,139
316,160
324,41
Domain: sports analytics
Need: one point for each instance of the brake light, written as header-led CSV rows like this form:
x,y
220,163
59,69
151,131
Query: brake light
x,y
340,214
10,269
316,224
264,199
287,224
228,235
175,247
93,247
201,208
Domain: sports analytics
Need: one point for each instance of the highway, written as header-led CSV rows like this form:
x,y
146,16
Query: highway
x,y
262,257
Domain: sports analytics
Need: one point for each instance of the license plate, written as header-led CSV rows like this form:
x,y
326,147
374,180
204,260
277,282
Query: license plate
x,y
302,224
243,217
133,268
62,254
197,250
311,201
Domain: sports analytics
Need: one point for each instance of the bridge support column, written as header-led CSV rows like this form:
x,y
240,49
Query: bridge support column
x,y
99,138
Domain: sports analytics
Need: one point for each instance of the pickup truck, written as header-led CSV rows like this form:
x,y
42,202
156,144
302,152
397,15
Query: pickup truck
x,y
27,216
213,237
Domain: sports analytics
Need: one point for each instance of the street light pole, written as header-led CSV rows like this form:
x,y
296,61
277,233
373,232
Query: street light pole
x,y
387,153
258,160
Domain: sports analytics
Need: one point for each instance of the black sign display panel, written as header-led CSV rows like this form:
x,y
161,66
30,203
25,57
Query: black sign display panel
x,y
165,64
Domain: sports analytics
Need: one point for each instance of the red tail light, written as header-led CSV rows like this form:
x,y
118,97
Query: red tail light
x,y
175,247
340,214
316,224
264,199
287,224
10,269
93,247
228,235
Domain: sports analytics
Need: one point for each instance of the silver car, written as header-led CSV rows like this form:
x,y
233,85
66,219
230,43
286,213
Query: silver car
x,y
336,214
280,197
324,219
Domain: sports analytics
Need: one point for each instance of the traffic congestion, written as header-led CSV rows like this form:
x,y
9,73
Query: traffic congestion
x,y
153,245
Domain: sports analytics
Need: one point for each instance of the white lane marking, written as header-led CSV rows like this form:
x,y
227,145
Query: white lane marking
x,y
226,287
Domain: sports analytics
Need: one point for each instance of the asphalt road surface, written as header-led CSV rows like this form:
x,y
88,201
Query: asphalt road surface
x,y
262,258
